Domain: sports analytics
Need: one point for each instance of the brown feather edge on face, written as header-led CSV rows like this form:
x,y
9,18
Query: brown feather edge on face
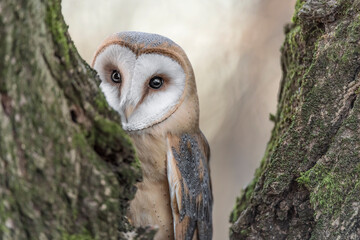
x,y
147,89
174,52
109,68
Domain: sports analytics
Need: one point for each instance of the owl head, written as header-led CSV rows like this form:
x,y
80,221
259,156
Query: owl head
x,y
149,81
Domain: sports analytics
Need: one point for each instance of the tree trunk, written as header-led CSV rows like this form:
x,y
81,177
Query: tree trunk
x,y
67,169
308,184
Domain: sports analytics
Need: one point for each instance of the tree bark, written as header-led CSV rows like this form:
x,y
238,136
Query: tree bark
x,y
67,169
308,184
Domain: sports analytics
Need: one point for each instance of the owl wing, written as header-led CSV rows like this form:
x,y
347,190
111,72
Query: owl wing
x,y
190,186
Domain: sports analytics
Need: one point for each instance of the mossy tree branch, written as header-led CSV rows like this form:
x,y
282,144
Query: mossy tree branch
x,y
67,169
308,182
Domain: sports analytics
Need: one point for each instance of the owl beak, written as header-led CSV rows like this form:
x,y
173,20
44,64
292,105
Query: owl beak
x,y
128,111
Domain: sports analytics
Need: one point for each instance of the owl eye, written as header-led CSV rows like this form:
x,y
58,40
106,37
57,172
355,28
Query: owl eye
x,y
156,82
116,77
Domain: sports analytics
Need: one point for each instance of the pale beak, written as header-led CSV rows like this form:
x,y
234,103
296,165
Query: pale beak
x,y
128,111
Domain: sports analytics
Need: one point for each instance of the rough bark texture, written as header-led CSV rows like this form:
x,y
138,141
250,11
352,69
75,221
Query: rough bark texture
x,y
67,169
308,184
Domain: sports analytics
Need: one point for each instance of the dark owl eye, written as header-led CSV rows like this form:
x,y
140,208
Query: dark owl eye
x,y
116,77
156,82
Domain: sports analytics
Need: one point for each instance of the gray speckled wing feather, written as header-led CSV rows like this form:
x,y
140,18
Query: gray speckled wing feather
x,y
190,186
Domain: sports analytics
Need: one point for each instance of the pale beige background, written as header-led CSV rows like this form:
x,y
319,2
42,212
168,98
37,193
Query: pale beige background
x,y
234,48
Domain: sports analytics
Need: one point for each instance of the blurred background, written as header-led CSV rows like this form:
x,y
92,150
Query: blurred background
x,y
233,46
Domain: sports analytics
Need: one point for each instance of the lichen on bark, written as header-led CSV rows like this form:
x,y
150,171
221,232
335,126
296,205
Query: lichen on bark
x,y
67,169
308,182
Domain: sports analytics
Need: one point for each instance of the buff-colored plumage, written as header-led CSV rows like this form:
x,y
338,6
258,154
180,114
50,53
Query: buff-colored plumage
x,y
175,194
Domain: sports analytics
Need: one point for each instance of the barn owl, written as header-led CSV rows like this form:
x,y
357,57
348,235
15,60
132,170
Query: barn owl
x,y
149,81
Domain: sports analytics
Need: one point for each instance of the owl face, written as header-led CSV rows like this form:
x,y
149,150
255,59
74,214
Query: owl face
x,y
142,77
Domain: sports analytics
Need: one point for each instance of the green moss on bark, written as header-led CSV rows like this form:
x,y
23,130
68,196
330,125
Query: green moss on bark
x,y
298,6
55,23
310,162
67,169
82,236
